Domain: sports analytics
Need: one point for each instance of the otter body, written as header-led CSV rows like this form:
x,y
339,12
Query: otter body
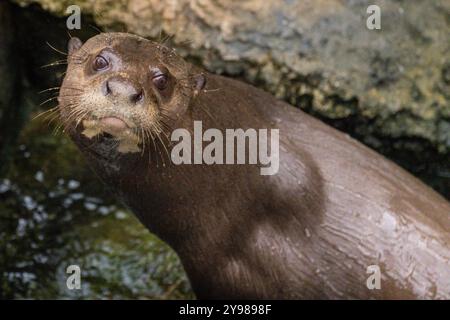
x,y
312,230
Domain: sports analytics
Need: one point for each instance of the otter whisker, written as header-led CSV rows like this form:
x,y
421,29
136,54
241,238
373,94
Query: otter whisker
x,y
165,148
166,40
141,139
164,125
50,115
56,63
72,114
76,113
95,28
145,141
57,128
167,115
167,153
151,141
74,88
40,114
155,148
59,51
48,100
70,95
49,89
64,122
169,142
79,58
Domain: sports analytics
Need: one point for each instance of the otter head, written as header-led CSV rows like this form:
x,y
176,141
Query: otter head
x,y
124,87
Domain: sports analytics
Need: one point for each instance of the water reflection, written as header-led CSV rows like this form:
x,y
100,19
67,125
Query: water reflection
x,y
54,213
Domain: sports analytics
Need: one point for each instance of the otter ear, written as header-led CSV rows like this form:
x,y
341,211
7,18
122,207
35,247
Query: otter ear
x,y
199,83
74,45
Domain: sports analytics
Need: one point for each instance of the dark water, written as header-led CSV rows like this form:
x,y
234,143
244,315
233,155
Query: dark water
x,y
55,213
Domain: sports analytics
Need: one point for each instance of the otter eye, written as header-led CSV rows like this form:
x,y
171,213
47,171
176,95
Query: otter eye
x,y
100,63
160,81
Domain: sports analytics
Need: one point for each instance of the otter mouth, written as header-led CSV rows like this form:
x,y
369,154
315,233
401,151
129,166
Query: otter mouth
x,y
113,127
113,123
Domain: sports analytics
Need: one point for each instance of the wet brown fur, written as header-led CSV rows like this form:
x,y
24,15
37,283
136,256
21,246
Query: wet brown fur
x,y
334,208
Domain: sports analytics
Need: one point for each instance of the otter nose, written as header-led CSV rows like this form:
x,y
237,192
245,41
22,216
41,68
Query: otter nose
x,y
123,90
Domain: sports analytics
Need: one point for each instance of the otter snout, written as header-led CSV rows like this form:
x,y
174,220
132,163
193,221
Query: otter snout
x,y
123,91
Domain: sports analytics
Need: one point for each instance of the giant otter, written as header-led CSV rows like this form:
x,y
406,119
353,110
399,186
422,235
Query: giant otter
x,y
311,230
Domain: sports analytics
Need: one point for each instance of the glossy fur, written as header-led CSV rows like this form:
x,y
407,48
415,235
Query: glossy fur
x,y
334,208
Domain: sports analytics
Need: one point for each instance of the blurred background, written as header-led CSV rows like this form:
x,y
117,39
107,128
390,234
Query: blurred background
x,y
388,88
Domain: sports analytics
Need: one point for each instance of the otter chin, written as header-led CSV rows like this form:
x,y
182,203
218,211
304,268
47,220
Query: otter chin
x,y
334,217
128,142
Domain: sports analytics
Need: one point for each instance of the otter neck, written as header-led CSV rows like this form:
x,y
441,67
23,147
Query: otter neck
x,y
200,210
